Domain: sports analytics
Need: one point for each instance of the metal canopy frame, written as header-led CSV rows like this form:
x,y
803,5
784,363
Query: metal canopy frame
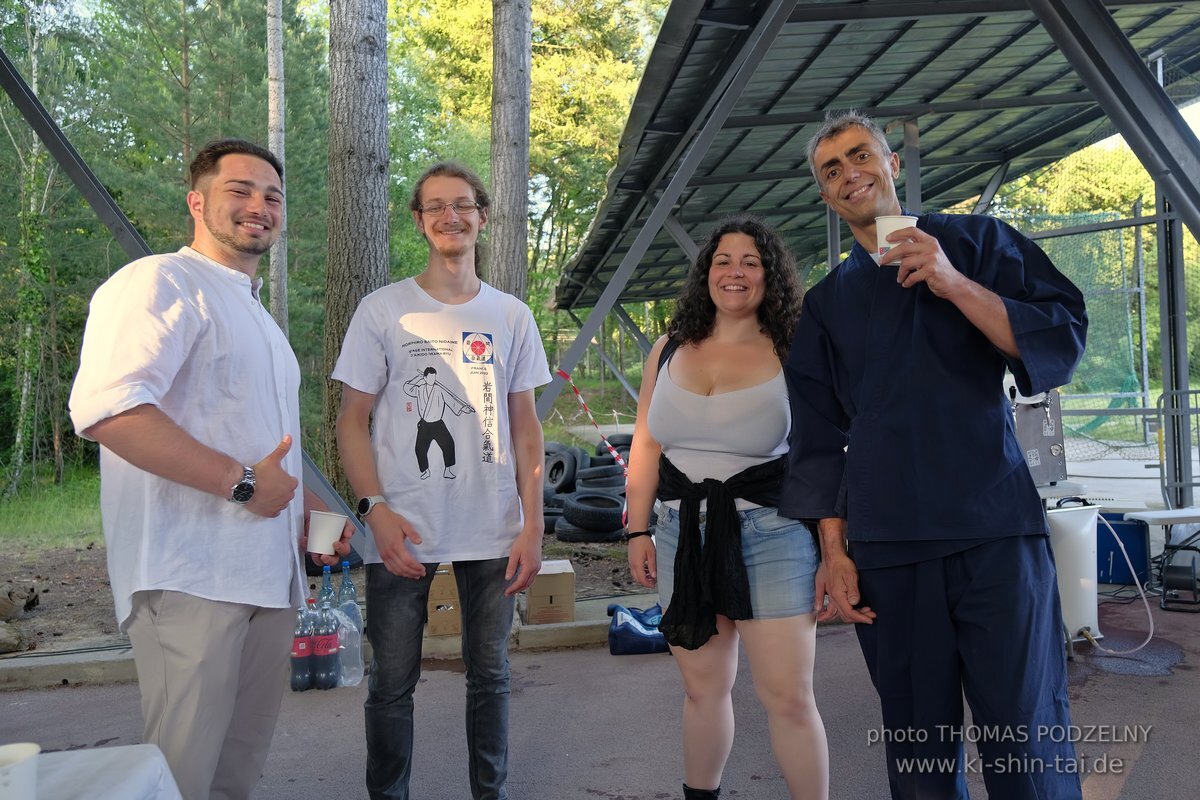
x,y
978,91
986,82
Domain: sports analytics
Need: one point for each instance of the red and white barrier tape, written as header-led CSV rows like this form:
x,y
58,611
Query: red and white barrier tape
x,y
579,396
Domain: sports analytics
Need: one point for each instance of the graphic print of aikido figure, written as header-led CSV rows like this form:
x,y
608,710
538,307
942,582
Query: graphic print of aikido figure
x,y
433,399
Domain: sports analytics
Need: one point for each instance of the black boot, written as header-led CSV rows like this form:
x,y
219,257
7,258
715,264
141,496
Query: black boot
x,y
700,794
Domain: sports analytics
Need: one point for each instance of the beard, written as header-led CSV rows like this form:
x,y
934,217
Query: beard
x,y
246,245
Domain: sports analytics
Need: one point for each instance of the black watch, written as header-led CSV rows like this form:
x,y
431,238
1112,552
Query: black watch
x,y
243,490
365,504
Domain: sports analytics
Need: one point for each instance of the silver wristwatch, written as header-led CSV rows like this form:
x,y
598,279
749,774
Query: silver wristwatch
x,y
367,503
243,490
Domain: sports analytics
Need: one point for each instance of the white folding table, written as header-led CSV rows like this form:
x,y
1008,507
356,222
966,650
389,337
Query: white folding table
x,y
127,772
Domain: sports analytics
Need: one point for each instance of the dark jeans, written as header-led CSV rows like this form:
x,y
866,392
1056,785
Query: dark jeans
x,y
396,612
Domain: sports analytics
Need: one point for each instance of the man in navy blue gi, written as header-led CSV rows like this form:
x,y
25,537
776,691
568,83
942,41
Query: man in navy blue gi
x,y
904,450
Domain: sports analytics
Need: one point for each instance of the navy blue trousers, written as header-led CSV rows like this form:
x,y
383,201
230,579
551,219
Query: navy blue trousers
x,y
985,622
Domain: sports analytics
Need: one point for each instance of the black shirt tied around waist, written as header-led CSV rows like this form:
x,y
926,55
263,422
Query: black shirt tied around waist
x,y
712,579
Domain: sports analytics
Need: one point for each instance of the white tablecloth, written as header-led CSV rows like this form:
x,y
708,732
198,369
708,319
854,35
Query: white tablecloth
x,y
131,772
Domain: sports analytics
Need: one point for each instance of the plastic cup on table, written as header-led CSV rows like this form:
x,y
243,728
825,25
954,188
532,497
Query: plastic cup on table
x,y
19,771
889,224
324,529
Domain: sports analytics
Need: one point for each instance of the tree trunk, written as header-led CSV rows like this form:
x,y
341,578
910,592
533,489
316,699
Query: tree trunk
x,y
512,26
185,84
275,141
358,181
31,252
55,401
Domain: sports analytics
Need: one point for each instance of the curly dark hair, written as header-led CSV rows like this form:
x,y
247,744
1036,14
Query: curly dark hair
x,y
695,311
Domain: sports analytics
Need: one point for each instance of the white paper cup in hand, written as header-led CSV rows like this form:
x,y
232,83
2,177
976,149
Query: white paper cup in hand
x,y
889,224
324,529
18,771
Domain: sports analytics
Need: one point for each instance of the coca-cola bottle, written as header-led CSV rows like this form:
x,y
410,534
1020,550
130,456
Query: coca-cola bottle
x,y
326,667
302,647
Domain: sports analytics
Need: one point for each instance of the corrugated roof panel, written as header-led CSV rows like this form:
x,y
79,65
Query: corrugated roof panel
x,y
985,85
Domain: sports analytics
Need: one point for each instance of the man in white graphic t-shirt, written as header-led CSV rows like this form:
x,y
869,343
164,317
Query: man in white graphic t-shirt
x,y
475,351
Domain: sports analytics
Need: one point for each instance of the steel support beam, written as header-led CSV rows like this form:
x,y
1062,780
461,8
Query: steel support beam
x,y
833,238
73,165
912,166
939,108
675,228
755,48
993,185
1172,311
1106,62
643,343
816,13
608,362
69,161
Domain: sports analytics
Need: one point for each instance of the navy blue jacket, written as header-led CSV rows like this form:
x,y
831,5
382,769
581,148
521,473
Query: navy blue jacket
x,y
900,422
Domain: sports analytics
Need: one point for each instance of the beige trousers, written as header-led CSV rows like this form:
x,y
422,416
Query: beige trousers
x,y
212,677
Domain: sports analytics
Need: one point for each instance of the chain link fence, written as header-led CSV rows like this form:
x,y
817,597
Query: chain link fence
x,y
1094,215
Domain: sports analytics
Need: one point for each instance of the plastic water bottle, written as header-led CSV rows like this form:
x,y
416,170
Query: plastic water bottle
x,y
346,592
351,642
302,647
326,594
325,649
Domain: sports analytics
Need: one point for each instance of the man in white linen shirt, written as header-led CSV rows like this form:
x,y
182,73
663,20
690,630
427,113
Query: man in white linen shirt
x,y
192,392
484,350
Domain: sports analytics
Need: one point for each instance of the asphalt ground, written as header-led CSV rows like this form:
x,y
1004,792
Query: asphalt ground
x,y
586,724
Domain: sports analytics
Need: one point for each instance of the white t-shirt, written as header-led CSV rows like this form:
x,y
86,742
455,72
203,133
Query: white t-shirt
x,y
188,335
456,415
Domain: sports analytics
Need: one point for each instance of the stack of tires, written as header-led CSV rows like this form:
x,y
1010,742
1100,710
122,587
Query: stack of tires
x,y
585,492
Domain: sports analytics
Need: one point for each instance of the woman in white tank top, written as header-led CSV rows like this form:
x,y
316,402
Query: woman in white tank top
x,y
710,442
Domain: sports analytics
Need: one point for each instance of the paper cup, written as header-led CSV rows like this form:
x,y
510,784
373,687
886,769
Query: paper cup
x,y
324,528
18,771
888,224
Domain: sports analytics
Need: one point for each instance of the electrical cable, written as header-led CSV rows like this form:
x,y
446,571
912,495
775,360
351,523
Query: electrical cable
x,y
1087,634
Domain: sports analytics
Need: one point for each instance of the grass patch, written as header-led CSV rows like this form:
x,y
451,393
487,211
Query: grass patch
x,y
48,515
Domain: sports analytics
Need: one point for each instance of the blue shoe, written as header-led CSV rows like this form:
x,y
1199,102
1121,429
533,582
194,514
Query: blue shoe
x,y
628,636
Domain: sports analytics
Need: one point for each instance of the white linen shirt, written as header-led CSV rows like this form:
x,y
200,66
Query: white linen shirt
x,y
186,334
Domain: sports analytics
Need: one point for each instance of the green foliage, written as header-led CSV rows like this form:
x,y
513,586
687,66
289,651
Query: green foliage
x,y
140,85
586,62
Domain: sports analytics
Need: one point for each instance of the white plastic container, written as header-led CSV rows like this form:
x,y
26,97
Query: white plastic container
x,y
1073,540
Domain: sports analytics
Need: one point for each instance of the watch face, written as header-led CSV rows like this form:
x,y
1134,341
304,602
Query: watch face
x,y
243,492
364,505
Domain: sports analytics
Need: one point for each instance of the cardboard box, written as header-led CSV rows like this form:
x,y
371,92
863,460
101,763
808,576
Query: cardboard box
x,y
444,618
444,587
551,598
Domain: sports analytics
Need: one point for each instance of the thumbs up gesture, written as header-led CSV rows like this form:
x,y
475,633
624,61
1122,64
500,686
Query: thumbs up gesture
x,y
274,488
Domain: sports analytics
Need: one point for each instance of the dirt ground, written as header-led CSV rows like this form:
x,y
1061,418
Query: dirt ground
x,y
74,602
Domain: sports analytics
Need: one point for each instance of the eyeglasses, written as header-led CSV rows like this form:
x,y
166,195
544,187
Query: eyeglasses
x,y
461,208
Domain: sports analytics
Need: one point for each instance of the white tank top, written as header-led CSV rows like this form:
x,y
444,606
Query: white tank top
x,y
718,436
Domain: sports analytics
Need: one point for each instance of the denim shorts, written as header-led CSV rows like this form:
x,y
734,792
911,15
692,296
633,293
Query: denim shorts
x,y
780,556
